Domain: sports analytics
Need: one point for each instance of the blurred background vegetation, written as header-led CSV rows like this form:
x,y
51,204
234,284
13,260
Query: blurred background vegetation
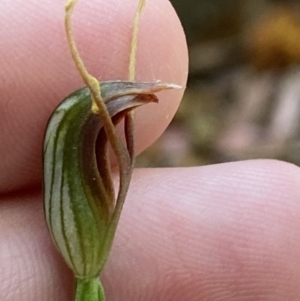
x,y
243,95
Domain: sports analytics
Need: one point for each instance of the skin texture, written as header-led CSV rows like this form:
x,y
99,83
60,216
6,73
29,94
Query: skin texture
x,y
220,232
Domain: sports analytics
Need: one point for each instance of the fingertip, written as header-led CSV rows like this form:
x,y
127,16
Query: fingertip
x,y
220,232
226,231
39,72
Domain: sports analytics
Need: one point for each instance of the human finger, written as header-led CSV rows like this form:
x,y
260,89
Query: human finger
x,y
221,232
37,71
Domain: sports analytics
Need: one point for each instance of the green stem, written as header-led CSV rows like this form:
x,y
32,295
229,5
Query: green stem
x,y
89,290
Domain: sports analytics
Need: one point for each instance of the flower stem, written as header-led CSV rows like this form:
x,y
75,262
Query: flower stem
x,y
89,290
133,50
129,118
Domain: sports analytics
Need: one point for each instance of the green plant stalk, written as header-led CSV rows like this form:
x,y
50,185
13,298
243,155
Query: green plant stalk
x,y
89,290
